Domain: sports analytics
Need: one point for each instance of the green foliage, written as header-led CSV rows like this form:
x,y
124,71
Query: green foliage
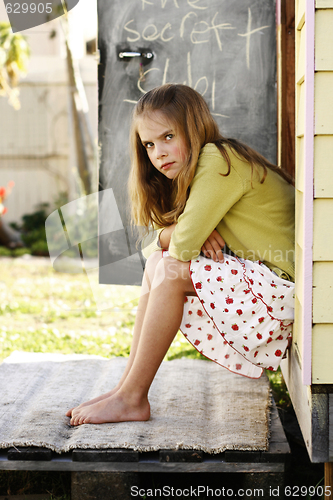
x,y
36,219
14,48
5,252
33,236
83,225
32,231
14,54
18,252
40,247
279,389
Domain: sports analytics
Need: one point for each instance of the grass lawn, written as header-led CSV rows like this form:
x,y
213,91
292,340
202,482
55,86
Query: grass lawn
x,y
42,310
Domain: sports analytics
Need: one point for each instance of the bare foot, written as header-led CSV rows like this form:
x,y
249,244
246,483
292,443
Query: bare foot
x,y
93,401
116,408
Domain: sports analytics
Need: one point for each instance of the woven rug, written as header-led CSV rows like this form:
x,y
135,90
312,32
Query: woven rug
x,y
195,404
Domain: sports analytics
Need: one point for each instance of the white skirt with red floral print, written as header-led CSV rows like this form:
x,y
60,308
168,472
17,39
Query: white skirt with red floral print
x,y
242,317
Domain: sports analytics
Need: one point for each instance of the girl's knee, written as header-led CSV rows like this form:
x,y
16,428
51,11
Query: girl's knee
x,y
168,266
167,270
151,264
176,271
152,261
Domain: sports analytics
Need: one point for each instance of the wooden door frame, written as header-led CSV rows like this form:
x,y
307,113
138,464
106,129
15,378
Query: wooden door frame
x,y
285,20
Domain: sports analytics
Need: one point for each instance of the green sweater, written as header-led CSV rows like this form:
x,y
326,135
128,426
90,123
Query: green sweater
x,y
257,222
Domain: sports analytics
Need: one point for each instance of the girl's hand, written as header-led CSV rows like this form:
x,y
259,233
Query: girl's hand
x,y
212,248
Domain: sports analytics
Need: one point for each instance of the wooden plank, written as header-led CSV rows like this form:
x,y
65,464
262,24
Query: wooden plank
x,y
311,408
297,328
324,102
319,416
300,13
324,40
324,4
299,394
286,87
322,292
109,455
329,480
323,161
300,73
330,419
299,181
299,236
234,456
300,109
21,453
322,348
207,466
299,289
308,192
323,229
104,486
278,445
180,456
119,486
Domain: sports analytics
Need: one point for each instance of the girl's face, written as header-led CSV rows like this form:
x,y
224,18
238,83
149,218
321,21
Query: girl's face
x,y
165,148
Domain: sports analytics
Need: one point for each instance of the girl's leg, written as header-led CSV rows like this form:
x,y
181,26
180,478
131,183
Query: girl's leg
x,y
142,306
161,321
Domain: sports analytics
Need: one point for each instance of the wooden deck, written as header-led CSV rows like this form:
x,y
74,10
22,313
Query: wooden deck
x,y
98,473
122,460
111,473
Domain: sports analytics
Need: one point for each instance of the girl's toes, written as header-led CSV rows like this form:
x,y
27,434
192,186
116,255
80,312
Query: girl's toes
x,y
74,421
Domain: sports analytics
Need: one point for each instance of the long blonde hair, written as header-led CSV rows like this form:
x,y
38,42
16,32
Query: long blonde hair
x,y
155,199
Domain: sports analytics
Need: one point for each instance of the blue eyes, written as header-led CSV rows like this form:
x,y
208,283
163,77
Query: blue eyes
x,y
149,145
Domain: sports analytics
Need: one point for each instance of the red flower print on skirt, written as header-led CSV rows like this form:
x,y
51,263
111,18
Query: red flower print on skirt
x,y
244,310
252,314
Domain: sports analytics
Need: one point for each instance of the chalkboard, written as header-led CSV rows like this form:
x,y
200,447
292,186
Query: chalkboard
x,y
225,49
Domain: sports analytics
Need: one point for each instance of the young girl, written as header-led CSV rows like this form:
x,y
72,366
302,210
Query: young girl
x,y
221,266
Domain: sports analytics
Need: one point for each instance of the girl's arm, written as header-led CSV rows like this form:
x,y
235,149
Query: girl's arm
x,y
212,195
212,248
165,236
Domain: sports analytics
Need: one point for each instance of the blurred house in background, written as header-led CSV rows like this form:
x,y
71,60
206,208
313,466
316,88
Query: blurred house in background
x,y
36,142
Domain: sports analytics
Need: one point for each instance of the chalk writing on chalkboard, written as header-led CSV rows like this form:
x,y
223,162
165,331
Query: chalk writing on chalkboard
x,y
197,33
225,49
